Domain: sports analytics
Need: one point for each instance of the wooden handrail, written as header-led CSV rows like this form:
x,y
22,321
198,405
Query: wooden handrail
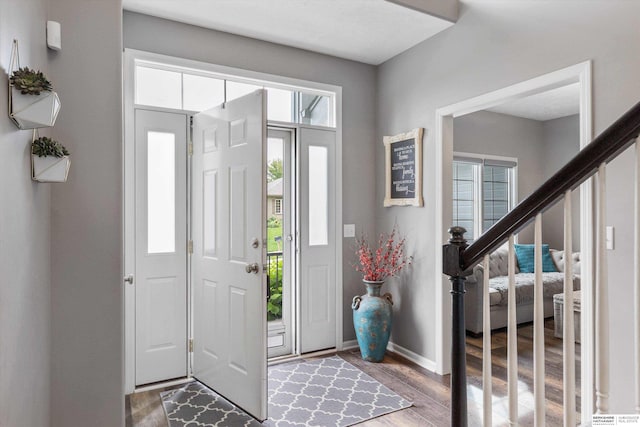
x,y
615,139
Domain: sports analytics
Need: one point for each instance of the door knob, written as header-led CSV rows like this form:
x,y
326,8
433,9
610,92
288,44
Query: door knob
x,y
129,279
252,268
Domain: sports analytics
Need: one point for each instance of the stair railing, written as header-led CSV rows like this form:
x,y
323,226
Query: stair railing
x,y
460,258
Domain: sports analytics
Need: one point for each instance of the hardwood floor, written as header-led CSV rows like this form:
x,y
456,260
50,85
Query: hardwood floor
x,y
429,392
553,376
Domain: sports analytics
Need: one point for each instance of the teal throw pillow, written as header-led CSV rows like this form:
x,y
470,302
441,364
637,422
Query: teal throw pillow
x,y
525,257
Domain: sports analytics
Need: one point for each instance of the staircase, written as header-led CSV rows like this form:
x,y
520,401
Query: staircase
x,y
460,258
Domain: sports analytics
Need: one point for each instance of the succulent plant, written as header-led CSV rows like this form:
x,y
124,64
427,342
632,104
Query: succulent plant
x,y
44,146
30,82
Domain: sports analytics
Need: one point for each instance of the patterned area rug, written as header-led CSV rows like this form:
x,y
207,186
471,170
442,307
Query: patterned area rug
x,y
196,405
325,392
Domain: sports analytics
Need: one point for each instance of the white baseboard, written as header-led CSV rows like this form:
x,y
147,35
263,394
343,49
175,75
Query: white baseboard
x,y
407,354
414,357
349,345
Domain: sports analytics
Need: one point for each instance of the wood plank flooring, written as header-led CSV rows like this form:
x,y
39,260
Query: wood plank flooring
x,y
430,392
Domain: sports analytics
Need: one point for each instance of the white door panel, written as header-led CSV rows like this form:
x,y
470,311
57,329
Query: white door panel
x,y
161,253
317,240
230,353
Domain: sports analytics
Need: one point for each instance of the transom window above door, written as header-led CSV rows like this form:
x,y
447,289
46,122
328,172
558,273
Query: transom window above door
x,y
484,190
160,85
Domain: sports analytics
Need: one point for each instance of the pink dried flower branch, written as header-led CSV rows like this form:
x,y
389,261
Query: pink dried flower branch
x,y
387,260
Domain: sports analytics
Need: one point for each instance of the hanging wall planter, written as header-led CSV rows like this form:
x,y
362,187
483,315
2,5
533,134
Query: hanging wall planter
x,y
50,161
32,102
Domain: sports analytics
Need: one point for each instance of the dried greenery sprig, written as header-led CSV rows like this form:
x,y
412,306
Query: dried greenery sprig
x,y
388,258
44,146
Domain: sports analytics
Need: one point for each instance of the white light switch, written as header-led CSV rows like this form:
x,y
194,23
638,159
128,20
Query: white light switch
x,y
609,237
349,230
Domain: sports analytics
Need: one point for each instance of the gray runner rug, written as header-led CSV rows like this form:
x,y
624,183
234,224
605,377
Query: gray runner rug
x,y
326,392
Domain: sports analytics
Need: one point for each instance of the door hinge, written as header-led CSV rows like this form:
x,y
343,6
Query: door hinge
x,y
190,144
190,246
191,345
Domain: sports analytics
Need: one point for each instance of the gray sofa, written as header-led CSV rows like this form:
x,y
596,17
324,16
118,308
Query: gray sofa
x,y
553,283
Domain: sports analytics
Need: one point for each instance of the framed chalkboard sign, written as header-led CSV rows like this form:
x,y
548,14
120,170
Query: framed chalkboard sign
x,y
403,167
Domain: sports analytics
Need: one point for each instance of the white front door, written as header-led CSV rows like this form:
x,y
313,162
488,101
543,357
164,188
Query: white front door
x,y
160,246
229,228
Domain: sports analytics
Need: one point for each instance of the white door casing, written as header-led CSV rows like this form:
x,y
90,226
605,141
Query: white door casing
x,y
228,228
317,239
160,246
135,57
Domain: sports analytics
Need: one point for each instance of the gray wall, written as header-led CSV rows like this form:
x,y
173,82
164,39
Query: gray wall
x,y
86,250
561,142
357,80
541,147
498,134
25,284
493,45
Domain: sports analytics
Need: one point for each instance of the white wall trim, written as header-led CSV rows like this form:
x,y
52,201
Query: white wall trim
x,y
349,345
553,80
443,160
444,154
587,325
398,349
158,60
412,356
128,208
338,221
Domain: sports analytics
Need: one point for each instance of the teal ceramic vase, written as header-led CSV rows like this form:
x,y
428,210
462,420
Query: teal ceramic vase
x,y
372,321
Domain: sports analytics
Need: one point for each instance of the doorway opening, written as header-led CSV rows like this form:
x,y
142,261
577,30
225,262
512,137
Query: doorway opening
x,y
300,209
578,75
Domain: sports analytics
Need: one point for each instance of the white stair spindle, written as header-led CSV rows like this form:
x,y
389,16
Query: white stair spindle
x,y
602,300
568,336
538,326
636,267
487,391
512,338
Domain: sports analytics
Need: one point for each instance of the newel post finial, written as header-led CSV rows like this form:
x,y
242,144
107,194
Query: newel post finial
x,y
457,235
452,267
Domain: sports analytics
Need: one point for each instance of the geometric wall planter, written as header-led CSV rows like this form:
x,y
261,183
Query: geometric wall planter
x,y
50,168
32,104
33,111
